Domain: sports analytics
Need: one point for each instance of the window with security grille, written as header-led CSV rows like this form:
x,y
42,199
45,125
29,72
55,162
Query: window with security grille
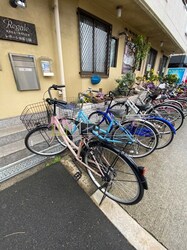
x,y
94,36
113,52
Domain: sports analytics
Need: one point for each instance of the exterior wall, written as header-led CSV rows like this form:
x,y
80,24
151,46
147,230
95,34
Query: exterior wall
x,y
13,101
70,43
172,14
41,14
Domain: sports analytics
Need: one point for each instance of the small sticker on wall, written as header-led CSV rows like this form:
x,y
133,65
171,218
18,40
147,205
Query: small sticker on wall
x,y
25,69
46,66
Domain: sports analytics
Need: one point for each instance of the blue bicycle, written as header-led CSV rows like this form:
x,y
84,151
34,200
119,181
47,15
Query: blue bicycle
x,y
138,140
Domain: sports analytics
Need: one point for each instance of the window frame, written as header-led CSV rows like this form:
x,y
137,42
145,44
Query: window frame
x,y
108,46
116,51
151,59
162,65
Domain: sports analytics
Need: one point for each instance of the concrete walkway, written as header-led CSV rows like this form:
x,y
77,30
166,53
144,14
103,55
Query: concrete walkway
x,y
163,210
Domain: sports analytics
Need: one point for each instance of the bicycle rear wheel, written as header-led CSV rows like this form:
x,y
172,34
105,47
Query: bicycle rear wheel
x,y
166,132
45,140
183,102
120,106
168,112
122,182
173,103
100,119
145,138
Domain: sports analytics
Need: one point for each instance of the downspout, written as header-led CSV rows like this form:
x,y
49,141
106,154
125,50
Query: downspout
x,y
59,47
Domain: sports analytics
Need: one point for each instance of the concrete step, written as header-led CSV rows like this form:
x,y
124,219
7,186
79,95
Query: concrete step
x,y
14,156
12,147
12,134
10,122
17,167
13,152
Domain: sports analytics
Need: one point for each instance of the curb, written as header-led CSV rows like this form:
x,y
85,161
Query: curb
x,y
129,228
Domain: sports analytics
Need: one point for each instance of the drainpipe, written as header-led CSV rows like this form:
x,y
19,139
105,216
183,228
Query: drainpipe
x,y
59,47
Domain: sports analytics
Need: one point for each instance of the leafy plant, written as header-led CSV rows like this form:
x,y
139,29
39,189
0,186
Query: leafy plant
x,y
172,79
125,82
151,76
142,47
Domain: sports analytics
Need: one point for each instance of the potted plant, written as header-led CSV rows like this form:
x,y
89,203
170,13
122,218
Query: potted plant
x,y
125,83
171,79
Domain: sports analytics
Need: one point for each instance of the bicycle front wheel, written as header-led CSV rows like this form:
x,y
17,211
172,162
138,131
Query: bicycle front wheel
x,y
45,140
145,138
121,181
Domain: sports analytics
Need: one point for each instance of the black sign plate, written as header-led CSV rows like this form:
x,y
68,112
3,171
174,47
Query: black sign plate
x,y
14,30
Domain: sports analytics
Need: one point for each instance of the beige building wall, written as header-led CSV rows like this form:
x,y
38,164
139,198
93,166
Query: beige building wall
x,y
70,43
41,14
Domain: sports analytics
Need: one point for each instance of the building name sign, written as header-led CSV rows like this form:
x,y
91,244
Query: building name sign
x,y
19,31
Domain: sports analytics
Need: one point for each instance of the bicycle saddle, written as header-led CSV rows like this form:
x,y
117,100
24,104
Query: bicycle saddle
x,y
143,107
118,112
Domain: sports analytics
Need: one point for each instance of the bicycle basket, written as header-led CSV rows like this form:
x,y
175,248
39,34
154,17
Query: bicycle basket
x,y
36,114
69,110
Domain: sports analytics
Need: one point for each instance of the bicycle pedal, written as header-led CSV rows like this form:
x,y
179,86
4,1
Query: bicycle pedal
x,y
77,176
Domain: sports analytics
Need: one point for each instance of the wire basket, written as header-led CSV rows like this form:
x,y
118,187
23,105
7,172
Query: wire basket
x,y
69,110
36,114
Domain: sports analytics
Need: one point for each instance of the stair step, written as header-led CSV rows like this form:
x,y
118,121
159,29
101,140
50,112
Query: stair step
x,y
13,156
20,166
10,122
12,134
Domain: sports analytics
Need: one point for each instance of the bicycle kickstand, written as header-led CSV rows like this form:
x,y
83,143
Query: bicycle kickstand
x,y
104,194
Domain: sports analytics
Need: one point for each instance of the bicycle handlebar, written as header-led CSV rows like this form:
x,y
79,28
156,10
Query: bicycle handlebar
x,y
111,94
55,87
52,101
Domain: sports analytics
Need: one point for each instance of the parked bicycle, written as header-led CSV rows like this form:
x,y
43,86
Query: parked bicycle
x,y
91,96
163,93
114,173
138,142
167,111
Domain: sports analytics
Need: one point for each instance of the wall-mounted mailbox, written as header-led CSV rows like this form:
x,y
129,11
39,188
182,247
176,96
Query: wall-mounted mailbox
x,y
24,69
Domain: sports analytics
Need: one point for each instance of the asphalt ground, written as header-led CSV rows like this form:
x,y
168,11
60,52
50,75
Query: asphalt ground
x,y
49,210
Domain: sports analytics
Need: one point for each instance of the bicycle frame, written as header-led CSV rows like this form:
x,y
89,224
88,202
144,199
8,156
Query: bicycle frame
x,y
132,105
82,117
72,147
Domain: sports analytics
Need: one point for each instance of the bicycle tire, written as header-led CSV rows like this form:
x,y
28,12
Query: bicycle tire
x,y
145,135
125,185
45,141
168,112
99,119
174,103
166,132
184,105
119,106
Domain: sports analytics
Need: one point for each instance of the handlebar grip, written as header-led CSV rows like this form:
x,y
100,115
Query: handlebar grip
x,y
55,101
111,94
55,86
